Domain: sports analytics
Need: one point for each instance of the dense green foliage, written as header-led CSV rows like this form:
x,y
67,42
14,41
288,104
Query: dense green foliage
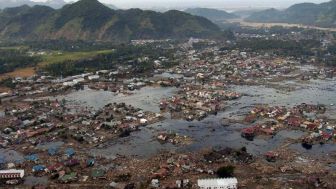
x,y
68,46
225,172
21,22
323,14
123,55
8,82
10,59
61,45
280,47
94,15
90,20
302,50
211,14
330,60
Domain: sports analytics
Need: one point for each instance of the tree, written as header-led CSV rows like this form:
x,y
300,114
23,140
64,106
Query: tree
x,y
225,171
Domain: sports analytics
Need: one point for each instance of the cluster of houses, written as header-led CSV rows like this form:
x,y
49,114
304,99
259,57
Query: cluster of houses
x,y
197,101
301,117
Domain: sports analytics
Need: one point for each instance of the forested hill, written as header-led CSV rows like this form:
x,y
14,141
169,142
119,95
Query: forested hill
x,y
323,14
211,14
91,20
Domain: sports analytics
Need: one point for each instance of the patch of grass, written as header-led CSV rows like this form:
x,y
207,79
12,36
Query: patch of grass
x,y
14,47
56,57
20,72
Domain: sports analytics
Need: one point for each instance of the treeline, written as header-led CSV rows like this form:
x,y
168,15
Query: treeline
x,y
61,45
11,59
272,30
69,46
279,47
330,59
298,49
123,55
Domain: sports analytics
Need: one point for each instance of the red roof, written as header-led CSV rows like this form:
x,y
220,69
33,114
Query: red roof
x,y
326,136
294,121
270,154
55,167
249,130
267,131
312,126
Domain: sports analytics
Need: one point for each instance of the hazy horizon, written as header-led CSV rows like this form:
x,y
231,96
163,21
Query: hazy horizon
x,y
220,4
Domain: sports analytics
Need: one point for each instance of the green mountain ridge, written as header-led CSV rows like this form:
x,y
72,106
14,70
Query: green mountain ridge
x,y
323,14
211,14
91,20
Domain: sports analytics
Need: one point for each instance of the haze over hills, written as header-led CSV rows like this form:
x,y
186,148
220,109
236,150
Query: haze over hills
x,y
323,14
211,14
56,4
217,4
91,20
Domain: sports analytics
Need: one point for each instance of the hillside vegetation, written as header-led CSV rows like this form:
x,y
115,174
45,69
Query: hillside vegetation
x,y
90,20
323,14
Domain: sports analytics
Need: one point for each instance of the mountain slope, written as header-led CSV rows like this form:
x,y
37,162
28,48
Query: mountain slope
x,y
91,20
211,14
92,13
305,13
21,21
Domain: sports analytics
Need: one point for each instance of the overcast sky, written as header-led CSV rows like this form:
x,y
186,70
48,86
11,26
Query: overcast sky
x,y
222,4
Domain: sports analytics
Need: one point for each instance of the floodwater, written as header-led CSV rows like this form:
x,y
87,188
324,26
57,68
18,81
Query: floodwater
x,y
48,145
33,181
206,134
210,132
147,98
9,156
314,92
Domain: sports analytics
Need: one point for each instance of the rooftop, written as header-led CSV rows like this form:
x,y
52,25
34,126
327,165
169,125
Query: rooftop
x,y
217,181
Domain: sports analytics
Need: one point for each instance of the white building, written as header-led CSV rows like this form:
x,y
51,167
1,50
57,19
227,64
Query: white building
x,y
2,95
11,174
220,183
93,77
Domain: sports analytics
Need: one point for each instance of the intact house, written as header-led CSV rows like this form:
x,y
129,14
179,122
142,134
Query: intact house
x,y
219,183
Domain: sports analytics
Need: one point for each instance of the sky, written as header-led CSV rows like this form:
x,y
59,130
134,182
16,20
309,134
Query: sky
x,y
220,4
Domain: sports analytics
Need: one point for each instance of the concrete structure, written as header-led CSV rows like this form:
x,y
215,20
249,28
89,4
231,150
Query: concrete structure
x,y
11,174
220,183
93,77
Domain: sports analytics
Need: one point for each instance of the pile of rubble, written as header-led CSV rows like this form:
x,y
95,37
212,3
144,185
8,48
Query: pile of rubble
x,y
195,102
174,138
